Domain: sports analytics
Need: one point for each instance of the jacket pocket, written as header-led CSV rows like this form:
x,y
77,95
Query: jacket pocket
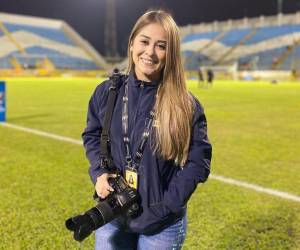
x,y
159,210
155,217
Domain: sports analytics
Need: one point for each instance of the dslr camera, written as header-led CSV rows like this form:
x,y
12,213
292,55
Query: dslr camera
x,y
122,201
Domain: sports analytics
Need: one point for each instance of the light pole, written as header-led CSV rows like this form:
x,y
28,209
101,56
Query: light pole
x,y
279,6
110,31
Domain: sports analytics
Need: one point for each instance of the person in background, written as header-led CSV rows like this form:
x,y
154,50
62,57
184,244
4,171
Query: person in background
x,y
200,77
210,77
177,153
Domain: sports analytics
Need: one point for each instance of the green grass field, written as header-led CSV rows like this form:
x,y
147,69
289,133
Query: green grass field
x,y
255,131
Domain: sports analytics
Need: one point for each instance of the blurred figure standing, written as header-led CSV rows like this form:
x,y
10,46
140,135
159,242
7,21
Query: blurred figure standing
x,y
210,77
200,77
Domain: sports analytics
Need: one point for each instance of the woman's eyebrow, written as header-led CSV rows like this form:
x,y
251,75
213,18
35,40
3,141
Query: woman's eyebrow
x,y
160,41
145,36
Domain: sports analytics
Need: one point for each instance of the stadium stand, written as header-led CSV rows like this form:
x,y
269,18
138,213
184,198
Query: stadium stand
x,y
265,43
33,43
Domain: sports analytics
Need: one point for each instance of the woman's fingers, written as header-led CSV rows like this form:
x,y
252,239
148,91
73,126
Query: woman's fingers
x,y
102,191
102,186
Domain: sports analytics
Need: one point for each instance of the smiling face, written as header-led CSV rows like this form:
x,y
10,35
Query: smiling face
x,y
149,52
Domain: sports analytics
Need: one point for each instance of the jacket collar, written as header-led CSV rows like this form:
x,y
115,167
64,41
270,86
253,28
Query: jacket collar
x,y
135,82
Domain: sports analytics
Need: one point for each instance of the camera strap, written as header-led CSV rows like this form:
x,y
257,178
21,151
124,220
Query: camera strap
x,y
133,165
105,155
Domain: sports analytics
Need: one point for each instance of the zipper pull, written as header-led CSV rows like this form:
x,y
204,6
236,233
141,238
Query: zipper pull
x,y
142,84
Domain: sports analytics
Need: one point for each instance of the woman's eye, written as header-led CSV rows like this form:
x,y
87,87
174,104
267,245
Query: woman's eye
x,y
144,42
162,46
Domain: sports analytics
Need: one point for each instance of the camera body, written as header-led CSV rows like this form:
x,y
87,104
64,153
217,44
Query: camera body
x,y
122,201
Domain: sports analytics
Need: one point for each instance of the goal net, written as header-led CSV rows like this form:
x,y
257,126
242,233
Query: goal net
x,y
222,71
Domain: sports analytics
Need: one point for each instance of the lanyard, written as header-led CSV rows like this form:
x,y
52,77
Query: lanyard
x,y
139,153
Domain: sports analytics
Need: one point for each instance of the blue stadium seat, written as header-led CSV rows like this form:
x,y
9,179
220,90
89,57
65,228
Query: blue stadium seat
x,y
199,36
49,33
234,37
270,51
77,60
272,32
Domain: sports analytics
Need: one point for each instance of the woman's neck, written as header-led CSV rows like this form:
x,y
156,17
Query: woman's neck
x,y
146,79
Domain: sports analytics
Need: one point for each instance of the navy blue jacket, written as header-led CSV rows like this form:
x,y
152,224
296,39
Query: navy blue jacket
x,y
164,188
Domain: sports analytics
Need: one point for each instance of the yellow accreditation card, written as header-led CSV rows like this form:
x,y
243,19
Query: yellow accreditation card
x,y
131,177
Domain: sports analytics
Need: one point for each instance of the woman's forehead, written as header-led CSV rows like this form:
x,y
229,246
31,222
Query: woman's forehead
x,y
153,31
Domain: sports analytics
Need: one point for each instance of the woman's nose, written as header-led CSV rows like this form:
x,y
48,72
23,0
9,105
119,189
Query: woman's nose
x,y
150,50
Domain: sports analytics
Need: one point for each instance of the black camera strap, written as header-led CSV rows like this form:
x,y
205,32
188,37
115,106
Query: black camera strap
x,y
105,155
134,165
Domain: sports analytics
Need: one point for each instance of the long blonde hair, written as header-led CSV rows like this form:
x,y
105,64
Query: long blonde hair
x,y
173,106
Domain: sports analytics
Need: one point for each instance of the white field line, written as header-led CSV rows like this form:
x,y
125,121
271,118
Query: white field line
x,y
41,133
226,180
257,188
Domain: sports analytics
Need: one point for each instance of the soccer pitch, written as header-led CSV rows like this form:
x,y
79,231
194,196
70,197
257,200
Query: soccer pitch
x,y
255,131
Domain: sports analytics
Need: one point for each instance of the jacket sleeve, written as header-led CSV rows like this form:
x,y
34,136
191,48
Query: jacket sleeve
x,y
197,167
92,133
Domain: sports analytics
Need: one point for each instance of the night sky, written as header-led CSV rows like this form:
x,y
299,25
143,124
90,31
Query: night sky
x,y
87,16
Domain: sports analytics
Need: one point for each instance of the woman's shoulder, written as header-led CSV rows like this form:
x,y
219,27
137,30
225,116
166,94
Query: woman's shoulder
x,y
198,114
103,87
198,107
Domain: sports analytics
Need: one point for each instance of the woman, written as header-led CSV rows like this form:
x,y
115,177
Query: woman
x,y
177,154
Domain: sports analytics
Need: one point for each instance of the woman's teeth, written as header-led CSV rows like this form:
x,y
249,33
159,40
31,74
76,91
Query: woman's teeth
x,y
147,62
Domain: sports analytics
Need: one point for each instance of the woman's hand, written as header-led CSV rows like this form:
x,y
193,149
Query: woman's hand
x,y
102,186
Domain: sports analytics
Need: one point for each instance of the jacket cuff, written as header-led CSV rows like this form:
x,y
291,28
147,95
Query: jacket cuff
x,y
96,172
172,206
